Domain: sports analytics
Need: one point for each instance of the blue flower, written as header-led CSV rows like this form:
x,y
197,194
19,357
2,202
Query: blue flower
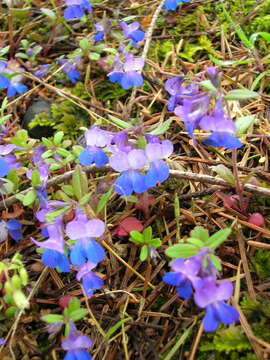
x,y
223,139
90,280
70,68
55,259
131,32
129,164
102,29
75,345
76,9
211,296
173,4
93,155
86,249
4,167
4,81
12,228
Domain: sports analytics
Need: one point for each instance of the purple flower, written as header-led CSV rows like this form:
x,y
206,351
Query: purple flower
x,y
127,73
43,70
75,345
184,276
55,241
211,296
14,85
12,228
84,230
54,328
102,29
173,4
90,280
95,138
158,170
70,68
223,129
128,165
76,9
179,92
131,32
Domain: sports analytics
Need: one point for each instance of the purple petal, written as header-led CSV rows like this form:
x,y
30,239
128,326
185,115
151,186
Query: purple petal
x,y
119,161
136,159
94,228
210,321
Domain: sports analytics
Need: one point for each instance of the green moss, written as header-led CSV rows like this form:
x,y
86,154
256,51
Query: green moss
x,y
262,264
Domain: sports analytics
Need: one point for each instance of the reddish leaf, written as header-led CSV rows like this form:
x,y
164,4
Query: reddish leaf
x,y
127,225
145,202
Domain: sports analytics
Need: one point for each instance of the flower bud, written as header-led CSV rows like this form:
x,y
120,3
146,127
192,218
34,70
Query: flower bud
x,y
256,219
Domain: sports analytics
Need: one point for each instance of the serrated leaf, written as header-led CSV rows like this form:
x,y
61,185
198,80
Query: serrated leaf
x,y
144,253
244,123
103,200
77,314
161,129
239,94
224,173
136,237
182,251
52,318
218,238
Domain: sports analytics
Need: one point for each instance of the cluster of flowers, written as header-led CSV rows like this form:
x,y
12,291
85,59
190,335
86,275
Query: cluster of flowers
x,y
198,274
126,158
203,110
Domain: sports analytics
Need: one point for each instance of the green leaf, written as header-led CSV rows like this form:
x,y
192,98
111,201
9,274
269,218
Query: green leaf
x,y
208,85
52,318
224,173
94,56
147,234
197,242
68,189
58,137
35,179
20,299
200,233
74,304
63,152
182,251
216,262
47,154
144,253
51,216
85,199
47,142
103,200
136,237
244,123
142,142
29,198
161,129
10,312
84,44
230,62
77,314
241,94
218,238
79,183
122,124
264,35
155,243
115,327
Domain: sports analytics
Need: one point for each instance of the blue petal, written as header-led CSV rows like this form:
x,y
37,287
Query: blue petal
x,y
138,181
4,168
54,259
210,321
137,36
123,185
73,12
70,355
100,158
73,76
170,5
14,224
223,139
116,77
226,313
81,354
20,88
95,252
77,254
86,158
158,172
185,290
131,78
91,282
173,278
15,235
86,6
99,36
4,82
